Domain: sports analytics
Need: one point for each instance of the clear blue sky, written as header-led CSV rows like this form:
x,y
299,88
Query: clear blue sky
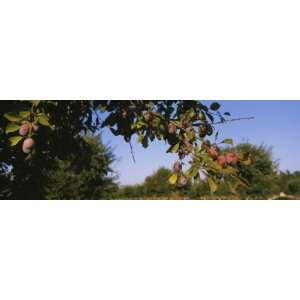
x,y
276,124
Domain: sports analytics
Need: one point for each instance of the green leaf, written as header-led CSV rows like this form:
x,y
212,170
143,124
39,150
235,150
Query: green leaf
x,y
234,184
192,113
178,124
232,188
193,171
110,121
173,179
13,117
24,114
12,127
242,181
197,178
212,185
216,135
247,162
213,165
140,125
210,116
215,106
141,138
174,148
15,140
229,170
35,102
145,142
227,141
227,114
115,131
43,120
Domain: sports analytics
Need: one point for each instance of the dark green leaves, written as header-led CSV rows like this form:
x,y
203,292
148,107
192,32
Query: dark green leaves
x,y
145,142
110,121
215,106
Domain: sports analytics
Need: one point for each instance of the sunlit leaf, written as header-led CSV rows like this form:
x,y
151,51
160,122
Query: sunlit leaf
x,y
43,120
24,114
212,185
227,141
173,179
174,148
13,117
35,102
12,127
140,138
14,140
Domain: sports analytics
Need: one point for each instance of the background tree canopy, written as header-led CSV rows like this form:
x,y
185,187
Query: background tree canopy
x,y
88,176
85,175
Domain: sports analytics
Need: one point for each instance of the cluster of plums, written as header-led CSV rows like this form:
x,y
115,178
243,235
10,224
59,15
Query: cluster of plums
x,y
213,151
24,131
204,128
222,159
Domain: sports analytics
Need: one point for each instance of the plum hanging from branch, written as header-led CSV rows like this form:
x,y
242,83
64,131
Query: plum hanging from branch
x,y
24,129
28,145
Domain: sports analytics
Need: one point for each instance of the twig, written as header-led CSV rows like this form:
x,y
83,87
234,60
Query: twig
x,y
223,121
232,120
131,150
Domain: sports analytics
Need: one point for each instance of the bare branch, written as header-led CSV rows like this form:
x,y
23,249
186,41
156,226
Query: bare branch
x,y
232,120
132,154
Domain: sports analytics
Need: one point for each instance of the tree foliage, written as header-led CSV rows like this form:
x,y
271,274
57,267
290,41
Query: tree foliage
x,y
88,176
289,183
37,133
261,174
155,186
